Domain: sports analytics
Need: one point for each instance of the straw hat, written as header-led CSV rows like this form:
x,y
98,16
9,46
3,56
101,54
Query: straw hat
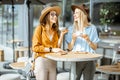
x,y
83,7
48,9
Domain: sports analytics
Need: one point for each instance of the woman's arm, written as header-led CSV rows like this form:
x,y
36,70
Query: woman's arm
x,y
63,32
37,40
91,44
71,44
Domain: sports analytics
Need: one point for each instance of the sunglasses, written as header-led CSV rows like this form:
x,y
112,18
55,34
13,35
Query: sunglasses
x,y
53,14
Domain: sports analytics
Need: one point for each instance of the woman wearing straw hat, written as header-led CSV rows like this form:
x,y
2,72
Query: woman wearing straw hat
x,y
46,39
84,38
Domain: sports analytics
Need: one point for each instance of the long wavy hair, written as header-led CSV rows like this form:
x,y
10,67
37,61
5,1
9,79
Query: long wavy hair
x,y
46,20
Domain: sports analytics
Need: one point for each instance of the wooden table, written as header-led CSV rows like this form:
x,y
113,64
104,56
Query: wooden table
x,y
109,69
16,42
1,55
20,52
21,48
112,42
74,57
17,65
24,66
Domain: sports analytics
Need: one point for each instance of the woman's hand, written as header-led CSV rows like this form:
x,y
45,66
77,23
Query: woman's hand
x,y
64,31
86,37
92,45
57,50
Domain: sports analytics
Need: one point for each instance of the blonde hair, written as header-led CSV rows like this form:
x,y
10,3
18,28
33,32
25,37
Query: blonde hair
x,y
77,25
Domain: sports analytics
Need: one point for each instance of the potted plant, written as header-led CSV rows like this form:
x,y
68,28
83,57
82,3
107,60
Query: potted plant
x,y
105,20
107,14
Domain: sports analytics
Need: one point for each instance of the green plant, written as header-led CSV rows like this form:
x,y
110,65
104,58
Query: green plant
x,y
104,17
107,13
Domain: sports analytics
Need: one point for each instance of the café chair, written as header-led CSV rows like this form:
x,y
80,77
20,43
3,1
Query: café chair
x,y
113,68
27,71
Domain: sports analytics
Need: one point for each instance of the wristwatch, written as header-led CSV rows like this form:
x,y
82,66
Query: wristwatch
x,y
50,48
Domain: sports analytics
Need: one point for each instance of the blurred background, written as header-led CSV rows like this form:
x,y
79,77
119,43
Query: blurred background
x,y
18,19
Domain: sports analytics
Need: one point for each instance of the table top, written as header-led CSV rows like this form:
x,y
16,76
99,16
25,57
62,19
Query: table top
x,y
111,41
109,69
17,65
74,56
15,41
21,49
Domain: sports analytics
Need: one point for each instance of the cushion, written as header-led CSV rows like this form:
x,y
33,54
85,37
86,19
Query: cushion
x,y
10,77
63,76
